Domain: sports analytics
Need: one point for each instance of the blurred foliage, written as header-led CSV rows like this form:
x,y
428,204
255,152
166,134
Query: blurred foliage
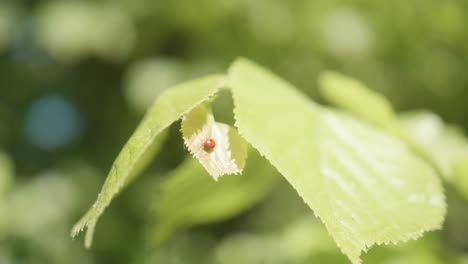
x,y
98,61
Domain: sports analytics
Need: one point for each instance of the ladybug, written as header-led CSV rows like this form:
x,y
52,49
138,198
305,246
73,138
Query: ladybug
x,y
209,144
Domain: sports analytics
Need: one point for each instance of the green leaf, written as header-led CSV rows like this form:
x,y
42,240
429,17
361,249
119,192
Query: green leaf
x,y
230,152
6,173
425,132
445,144
366,186
355,97
392,193
6,181
297,242
460,176
187,248
146,141
189,197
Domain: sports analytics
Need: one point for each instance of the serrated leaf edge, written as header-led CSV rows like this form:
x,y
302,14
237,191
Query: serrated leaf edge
x,y
90,224
354,258
227,144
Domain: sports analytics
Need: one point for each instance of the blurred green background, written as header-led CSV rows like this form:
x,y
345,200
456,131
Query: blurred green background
x,y
76,77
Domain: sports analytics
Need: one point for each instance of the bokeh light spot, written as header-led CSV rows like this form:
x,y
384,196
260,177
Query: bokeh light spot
x,y
345,32
52,122
147,79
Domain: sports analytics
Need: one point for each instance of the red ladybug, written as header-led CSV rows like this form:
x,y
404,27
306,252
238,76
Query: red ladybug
x,y
209,144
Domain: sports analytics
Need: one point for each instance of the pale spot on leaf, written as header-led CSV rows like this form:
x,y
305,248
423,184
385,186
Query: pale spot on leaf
x,y
230,152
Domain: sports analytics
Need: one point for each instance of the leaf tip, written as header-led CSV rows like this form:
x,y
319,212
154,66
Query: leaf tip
x,y
89,234
80,226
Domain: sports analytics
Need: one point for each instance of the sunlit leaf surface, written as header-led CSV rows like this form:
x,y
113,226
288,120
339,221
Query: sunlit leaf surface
x,y
354,96
366,186
146,141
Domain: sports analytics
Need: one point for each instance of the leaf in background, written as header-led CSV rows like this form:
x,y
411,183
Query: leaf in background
x,y
185,248
230,152
189,197
6,173
146,141
444,143
6,180
366,186
427,250
460,176
355,97
303,240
